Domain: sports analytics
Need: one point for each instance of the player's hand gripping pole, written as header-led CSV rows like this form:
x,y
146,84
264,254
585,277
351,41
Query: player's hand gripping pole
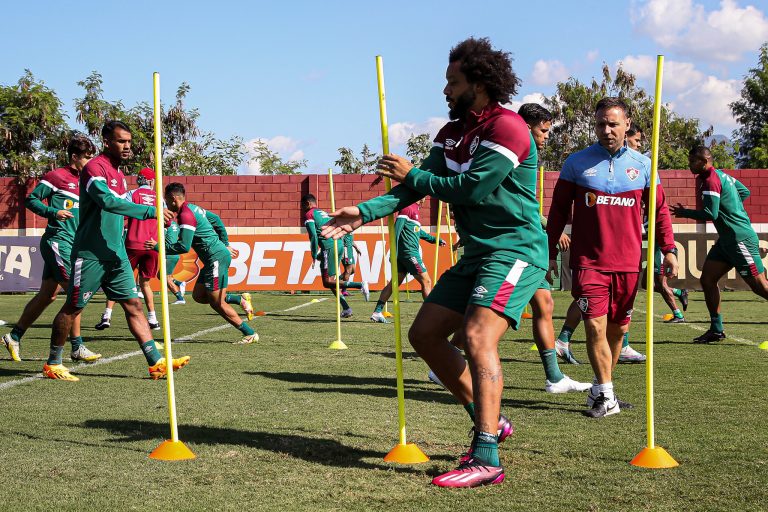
x,y
403,452
652,456
337,344
437,246
172,449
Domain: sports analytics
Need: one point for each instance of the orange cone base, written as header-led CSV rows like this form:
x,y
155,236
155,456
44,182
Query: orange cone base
x,y
406,454
668,316
170,450
337,345
763,345
654,458
527,315
260,313
387,314
534,348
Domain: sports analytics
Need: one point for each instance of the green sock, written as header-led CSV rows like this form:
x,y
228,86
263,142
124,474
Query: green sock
x,y
379,307
150,352
678,313
179,296
485,446
625,340
245,329
232,298
565,334
551,368
76,341
17,332
677,292
716,322
344,303
177,282
352,284
54,356
470,408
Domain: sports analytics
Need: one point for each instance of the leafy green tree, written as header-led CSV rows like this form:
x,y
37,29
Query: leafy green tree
x,y
271,163
350,164
417,148
751,111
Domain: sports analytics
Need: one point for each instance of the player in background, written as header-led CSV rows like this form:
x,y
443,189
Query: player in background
x,y
60,189
99,259
321,249
408,232
197,232
606,184
348,260
722,198
176,287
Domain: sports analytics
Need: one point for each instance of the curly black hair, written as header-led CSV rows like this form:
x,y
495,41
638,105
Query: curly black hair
x,y
480,63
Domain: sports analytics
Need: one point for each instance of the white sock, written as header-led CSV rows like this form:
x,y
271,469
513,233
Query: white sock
x,y
607,390
107,313
151,317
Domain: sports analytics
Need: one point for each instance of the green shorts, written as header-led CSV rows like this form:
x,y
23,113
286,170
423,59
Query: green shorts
x,y
658,259
498,281
215,272
544,285
114,277
56,256
411,263
743,255
348,259
328,262
170,264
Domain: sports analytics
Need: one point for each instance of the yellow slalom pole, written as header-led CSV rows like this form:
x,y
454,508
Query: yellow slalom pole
x,y
652,456
437,248
172,449
337,344
403,452
450,234
541,191
386,312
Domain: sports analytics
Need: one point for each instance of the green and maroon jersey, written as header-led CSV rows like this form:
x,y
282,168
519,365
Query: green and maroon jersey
x,y
314,220
196,232
61,190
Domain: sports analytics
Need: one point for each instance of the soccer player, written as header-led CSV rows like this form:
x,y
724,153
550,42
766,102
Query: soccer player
x,y
61,191
722,198
321,249
348,260
176,287
197,232
408,232
606,185
98,254
483,162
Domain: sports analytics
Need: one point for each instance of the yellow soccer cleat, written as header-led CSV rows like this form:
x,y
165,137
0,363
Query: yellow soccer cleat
x,y
247,340
58,372
13,347
245,303
160,369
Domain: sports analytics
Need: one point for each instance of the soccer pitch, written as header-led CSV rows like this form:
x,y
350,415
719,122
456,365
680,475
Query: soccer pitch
x,y
286,424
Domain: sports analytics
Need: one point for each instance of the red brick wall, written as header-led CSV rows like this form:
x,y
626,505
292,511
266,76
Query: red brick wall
x,y
258,201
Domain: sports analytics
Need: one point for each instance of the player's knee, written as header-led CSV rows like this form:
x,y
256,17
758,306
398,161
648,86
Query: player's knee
x,y
419,335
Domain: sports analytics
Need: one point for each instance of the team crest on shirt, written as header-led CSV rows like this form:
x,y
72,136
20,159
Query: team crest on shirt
x,y
632,173
113,182
473,146
590,199
71,185
87,296
583,304
629,312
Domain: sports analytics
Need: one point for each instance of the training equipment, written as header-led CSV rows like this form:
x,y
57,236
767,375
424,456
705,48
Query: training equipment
x,y
630,355
337,344
473,472
602,407
247,340
84,354
668,317
245,303
58,372
710,336
103,323
12,346
566,385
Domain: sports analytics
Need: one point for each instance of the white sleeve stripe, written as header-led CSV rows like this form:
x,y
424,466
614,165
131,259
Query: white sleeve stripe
x,y
710,193
438,145
308,221
187,226
94,178
49,185
502,150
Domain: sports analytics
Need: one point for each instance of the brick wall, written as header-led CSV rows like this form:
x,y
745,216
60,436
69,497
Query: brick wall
x,y
268,201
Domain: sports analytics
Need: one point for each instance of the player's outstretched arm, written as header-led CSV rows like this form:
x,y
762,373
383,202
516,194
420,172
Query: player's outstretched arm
x,y
101,194
343,221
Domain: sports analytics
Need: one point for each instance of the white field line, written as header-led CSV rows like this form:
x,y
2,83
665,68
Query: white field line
x,y
119,357
699,328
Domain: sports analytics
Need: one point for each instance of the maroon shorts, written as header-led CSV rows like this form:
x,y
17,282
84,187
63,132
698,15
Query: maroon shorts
x,y
605,293
147,261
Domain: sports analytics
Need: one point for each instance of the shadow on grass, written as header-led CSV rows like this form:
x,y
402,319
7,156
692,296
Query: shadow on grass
x,y
327,452
391,355
7,372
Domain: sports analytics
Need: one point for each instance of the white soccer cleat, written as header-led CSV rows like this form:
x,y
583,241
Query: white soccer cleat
x,y
247,340
630,355
85,355
431,376
563,351
141,295
365,290
12,346
178,302
566,385
379,318
183,287
346,313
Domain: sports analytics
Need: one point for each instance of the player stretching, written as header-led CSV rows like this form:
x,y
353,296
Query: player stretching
x,y
98,254
196,232
722,198
484,164
606,185
321,249
60,188
408,232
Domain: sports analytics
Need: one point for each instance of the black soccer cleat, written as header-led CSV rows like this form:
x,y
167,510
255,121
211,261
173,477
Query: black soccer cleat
x,y
684,299
710,336
675,320
602,407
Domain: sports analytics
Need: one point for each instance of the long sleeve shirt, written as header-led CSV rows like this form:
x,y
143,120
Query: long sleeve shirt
x,y
60,189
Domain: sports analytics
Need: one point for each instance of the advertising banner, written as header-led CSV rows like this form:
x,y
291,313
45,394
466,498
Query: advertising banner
x,y
21,265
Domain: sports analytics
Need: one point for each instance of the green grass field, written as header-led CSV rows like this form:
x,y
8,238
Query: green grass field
x,y
287,424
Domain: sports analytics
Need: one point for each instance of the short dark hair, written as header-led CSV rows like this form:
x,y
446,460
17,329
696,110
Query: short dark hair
x,y
308,199
80,144
533,114
110,127
634,128
612,102
702,151
480,63
175,189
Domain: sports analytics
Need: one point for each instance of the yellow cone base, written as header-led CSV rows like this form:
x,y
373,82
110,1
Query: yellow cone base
x,y
313,301
763,345
170,450
387,314
534,348
654,458
337,345
667,317
527,315
406,454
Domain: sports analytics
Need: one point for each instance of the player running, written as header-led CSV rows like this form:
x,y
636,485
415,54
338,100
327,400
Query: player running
x,y
176,287
321,249
408,233
197,232
60,189
722,198
98,254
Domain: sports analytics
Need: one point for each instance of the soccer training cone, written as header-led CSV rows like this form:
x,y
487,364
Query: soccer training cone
x,y
667,317
337,345
172,450
534,348
260,313
763,345
654,458
387,314
527,315
406,454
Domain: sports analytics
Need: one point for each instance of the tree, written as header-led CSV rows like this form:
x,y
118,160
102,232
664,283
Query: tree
x,y
751,112
270,162
33,132
350,164
418,148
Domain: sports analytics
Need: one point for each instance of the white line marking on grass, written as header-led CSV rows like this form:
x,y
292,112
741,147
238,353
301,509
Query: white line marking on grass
x,y
699,328
12,383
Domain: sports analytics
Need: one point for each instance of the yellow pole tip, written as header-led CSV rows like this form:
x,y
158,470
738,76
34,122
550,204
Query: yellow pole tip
x,y
172,450
763,345
654,458
337,345
406,454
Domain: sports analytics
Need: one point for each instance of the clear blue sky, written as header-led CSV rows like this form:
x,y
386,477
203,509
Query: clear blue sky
x,y
302,76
